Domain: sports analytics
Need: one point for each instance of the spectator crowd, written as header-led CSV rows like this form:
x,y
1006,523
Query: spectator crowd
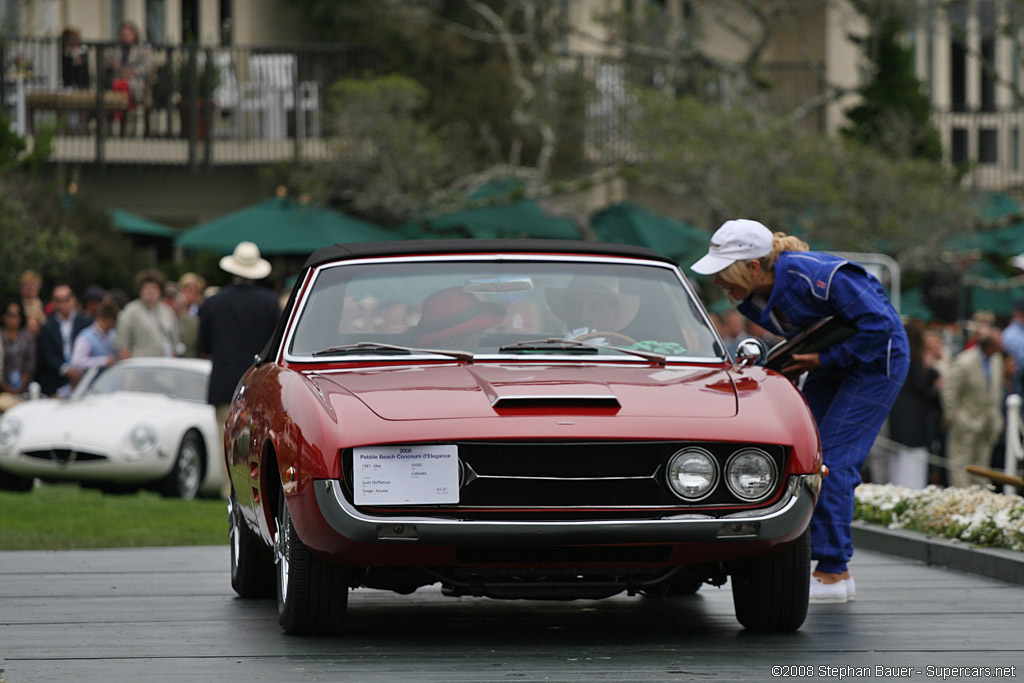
x,y
53,342
49,346
951,410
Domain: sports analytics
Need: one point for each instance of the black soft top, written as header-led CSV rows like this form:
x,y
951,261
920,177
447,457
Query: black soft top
x,y
357,250
353,250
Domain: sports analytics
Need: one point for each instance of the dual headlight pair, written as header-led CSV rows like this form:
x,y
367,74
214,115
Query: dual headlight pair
x,y
138,442
749,473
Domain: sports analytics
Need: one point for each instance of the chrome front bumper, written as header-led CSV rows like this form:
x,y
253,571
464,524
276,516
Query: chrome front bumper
x,y
791,512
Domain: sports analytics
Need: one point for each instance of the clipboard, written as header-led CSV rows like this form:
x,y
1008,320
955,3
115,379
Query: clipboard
x,y
815,338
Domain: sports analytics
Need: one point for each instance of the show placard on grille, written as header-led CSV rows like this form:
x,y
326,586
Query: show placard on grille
x,y
406,475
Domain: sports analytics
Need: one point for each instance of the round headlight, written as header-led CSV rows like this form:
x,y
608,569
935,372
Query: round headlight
x,y
692,473
141,439
10,430
750,474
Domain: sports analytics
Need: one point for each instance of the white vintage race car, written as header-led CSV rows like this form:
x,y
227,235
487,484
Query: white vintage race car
x,y
142,422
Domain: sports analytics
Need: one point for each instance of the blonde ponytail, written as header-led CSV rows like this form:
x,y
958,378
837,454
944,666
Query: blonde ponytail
x,y
783,242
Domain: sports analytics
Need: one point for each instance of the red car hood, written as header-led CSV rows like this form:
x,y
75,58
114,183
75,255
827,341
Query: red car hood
x,y
486,390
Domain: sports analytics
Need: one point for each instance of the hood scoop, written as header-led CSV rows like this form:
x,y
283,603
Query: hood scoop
x,y
555,401
549,388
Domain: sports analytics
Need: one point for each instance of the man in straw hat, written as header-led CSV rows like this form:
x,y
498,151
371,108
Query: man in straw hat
x,y
234,325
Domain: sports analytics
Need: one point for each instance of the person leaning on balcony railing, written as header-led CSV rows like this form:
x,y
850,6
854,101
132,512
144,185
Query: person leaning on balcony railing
x,y
74,73
128,66
74,60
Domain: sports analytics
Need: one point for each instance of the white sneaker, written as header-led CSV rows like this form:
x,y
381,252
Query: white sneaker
x,y
823,593
851,589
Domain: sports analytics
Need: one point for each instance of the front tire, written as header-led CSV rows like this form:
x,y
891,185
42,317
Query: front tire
x,y
252,561
312,596
771,594
185,477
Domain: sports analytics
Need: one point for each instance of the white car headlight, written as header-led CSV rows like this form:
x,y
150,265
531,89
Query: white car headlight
x,y
692,473
10,430
750,474
141,440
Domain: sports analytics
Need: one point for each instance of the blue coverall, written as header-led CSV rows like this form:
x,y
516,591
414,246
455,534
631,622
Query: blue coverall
x,y
856,385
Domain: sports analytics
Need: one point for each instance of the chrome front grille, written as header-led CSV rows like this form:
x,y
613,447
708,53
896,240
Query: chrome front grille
x,y
553,479
64,456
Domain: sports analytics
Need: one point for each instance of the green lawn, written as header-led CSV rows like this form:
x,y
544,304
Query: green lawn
x,y
64,516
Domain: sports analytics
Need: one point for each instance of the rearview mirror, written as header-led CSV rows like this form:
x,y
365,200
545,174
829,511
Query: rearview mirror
x,y
751,351
499,284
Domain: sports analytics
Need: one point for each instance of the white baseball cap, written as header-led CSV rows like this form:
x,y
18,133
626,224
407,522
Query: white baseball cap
x,y
736,240
1018,261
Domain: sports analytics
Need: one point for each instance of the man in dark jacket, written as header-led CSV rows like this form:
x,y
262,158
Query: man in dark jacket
x,y
53,345
234,325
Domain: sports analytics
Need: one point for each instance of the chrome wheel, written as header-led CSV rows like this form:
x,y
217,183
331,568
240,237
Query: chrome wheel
x,y
312,595
282,544
186,476
190,468
252,562
233,535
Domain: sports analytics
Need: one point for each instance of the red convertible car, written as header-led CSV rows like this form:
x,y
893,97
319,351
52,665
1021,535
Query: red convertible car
x,y
513,419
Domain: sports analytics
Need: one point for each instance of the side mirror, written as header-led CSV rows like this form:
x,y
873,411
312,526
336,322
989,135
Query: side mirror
x,y
751,351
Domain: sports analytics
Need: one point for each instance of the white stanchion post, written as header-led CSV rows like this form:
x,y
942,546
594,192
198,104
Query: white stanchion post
x,y
1014,448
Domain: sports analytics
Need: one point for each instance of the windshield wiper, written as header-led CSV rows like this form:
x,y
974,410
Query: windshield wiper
x,y
553,344
556,344
388,349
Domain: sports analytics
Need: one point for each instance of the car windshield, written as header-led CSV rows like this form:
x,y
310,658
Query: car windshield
x,y
174,382
507,306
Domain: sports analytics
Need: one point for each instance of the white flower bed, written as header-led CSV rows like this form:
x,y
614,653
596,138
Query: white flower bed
x,y
973,515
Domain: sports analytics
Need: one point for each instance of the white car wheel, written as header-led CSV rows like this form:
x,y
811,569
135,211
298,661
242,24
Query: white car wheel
x,y
187,474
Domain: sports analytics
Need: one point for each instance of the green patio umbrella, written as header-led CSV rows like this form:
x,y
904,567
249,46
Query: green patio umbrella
x,y
996,206
281,226
987,287
626,223
523,218
1007,240
981,241
133,224
125,221
911,305
495,210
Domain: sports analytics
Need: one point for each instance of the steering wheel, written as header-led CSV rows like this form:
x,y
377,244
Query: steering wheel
x,y
623,339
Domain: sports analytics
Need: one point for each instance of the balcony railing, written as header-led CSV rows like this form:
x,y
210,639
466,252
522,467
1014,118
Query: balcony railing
x,y
197,105
989,145
271,104
205,106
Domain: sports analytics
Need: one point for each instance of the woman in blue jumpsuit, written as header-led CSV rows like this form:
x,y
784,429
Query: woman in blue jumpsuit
x,y
783,287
